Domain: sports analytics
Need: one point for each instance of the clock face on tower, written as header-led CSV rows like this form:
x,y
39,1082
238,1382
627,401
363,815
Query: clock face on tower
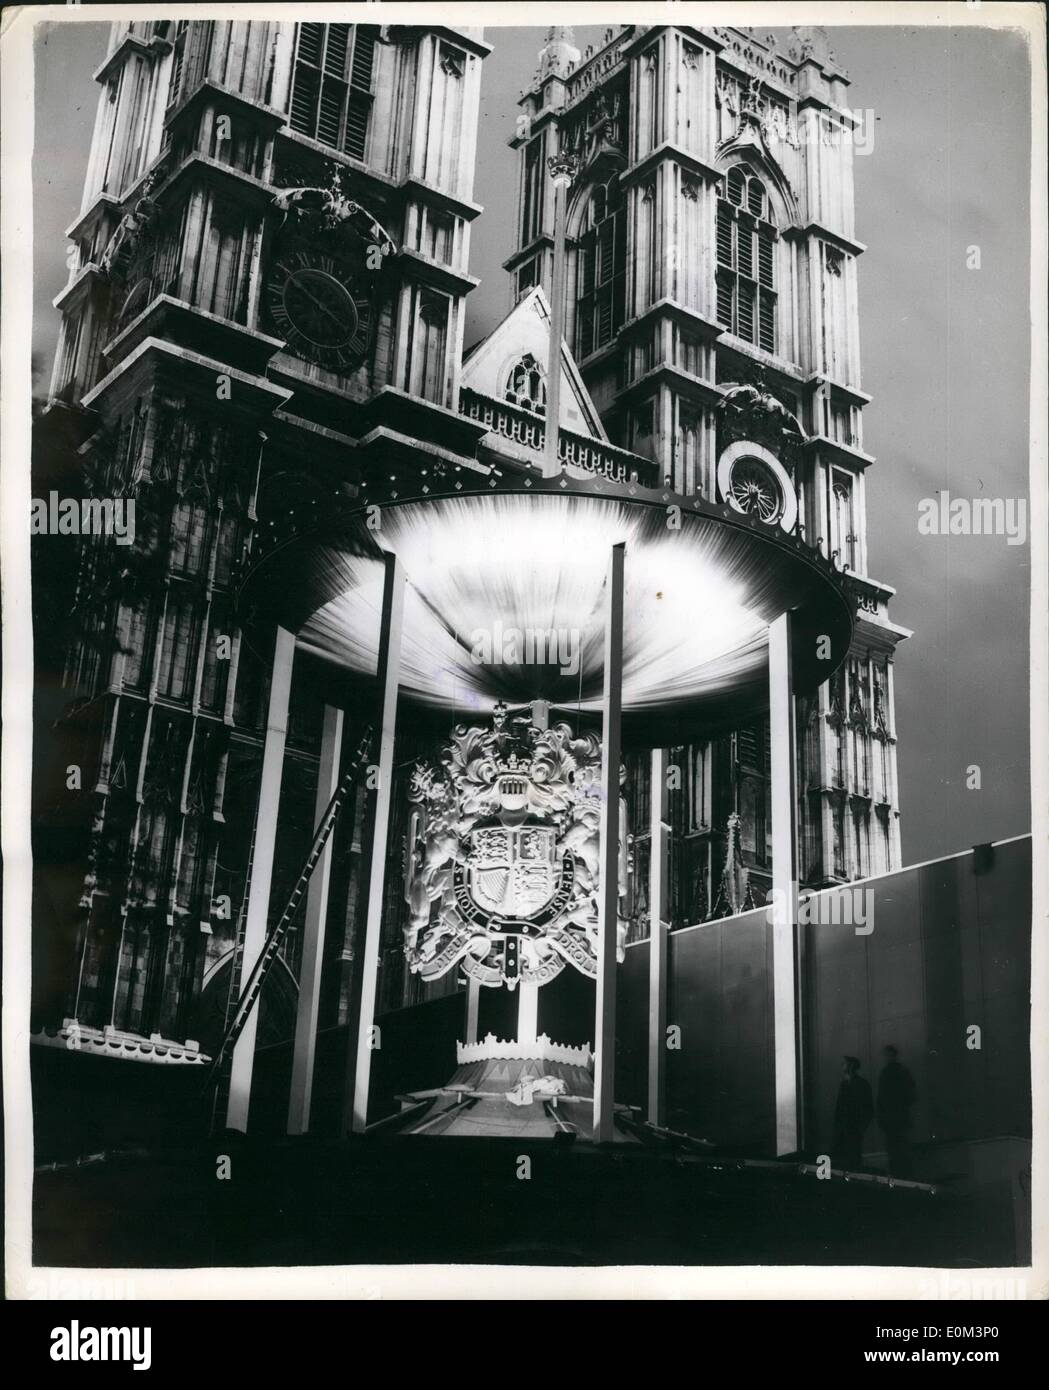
x,y
320,304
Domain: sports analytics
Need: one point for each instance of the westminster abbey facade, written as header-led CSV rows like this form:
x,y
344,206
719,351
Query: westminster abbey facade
x,y
268,285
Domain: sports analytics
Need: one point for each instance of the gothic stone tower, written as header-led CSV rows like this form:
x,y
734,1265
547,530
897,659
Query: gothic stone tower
x,y
267,283
711,264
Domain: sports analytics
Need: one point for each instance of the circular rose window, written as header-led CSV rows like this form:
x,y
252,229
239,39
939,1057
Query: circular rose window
x,y
754,482
753,489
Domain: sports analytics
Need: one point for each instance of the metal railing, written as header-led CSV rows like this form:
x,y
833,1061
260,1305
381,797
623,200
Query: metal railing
x,y
527,429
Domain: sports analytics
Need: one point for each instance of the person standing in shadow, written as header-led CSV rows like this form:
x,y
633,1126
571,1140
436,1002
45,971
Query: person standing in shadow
x,y
896,1094
853,1112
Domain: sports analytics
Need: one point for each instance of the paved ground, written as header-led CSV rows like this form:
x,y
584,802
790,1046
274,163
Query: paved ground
x,y
419,1198
414,1199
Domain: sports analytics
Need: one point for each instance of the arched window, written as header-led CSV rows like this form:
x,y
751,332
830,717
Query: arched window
x,y
601,293
842,533
746,276
428,366
526,385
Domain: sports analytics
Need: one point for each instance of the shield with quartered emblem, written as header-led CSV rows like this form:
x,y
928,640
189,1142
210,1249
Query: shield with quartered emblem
x,y
512,870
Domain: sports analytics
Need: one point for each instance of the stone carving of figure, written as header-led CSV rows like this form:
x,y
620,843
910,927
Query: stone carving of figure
x,y
130,229
812,43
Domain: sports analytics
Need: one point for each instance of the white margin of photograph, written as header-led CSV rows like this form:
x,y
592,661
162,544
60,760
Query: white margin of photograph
x,y
795,1282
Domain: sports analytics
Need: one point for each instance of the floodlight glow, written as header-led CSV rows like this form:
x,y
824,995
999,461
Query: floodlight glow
x,y
505,599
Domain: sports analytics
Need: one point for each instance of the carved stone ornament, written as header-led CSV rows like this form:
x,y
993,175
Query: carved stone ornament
x,y
563,165
132,229
749,411
734,891
812,44
452,63
752,100
503,855
597,136
328,209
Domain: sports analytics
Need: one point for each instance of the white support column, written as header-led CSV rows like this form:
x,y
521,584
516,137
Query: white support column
x,y
388,678
659,926
785,943
562,169
473,1000
313,934
608,896
527,1011
262,869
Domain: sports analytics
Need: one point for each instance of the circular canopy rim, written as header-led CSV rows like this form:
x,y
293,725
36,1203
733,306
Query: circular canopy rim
x,y
269,595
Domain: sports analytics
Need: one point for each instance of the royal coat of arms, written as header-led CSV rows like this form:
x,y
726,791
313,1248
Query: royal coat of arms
x,y
502,854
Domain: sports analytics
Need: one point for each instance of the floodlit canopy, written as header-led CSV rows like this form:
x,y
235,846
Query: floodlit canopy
x,y
505,598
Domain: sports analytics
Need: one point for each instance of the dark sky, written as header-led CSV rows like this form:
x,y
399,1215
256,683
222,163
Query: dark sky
x,y
945,353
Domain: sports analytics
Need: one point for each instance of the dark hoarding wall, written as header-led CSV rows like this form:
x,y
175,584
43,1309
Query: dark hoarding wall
x,y
944,950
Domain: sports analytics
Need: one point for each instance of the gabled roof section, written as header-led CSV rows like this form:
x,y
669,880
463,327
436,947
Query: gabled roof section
x,y
526,329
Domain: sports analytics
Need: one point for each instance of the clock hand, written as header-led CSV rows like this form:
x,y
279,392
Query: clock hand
x,y
319,304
